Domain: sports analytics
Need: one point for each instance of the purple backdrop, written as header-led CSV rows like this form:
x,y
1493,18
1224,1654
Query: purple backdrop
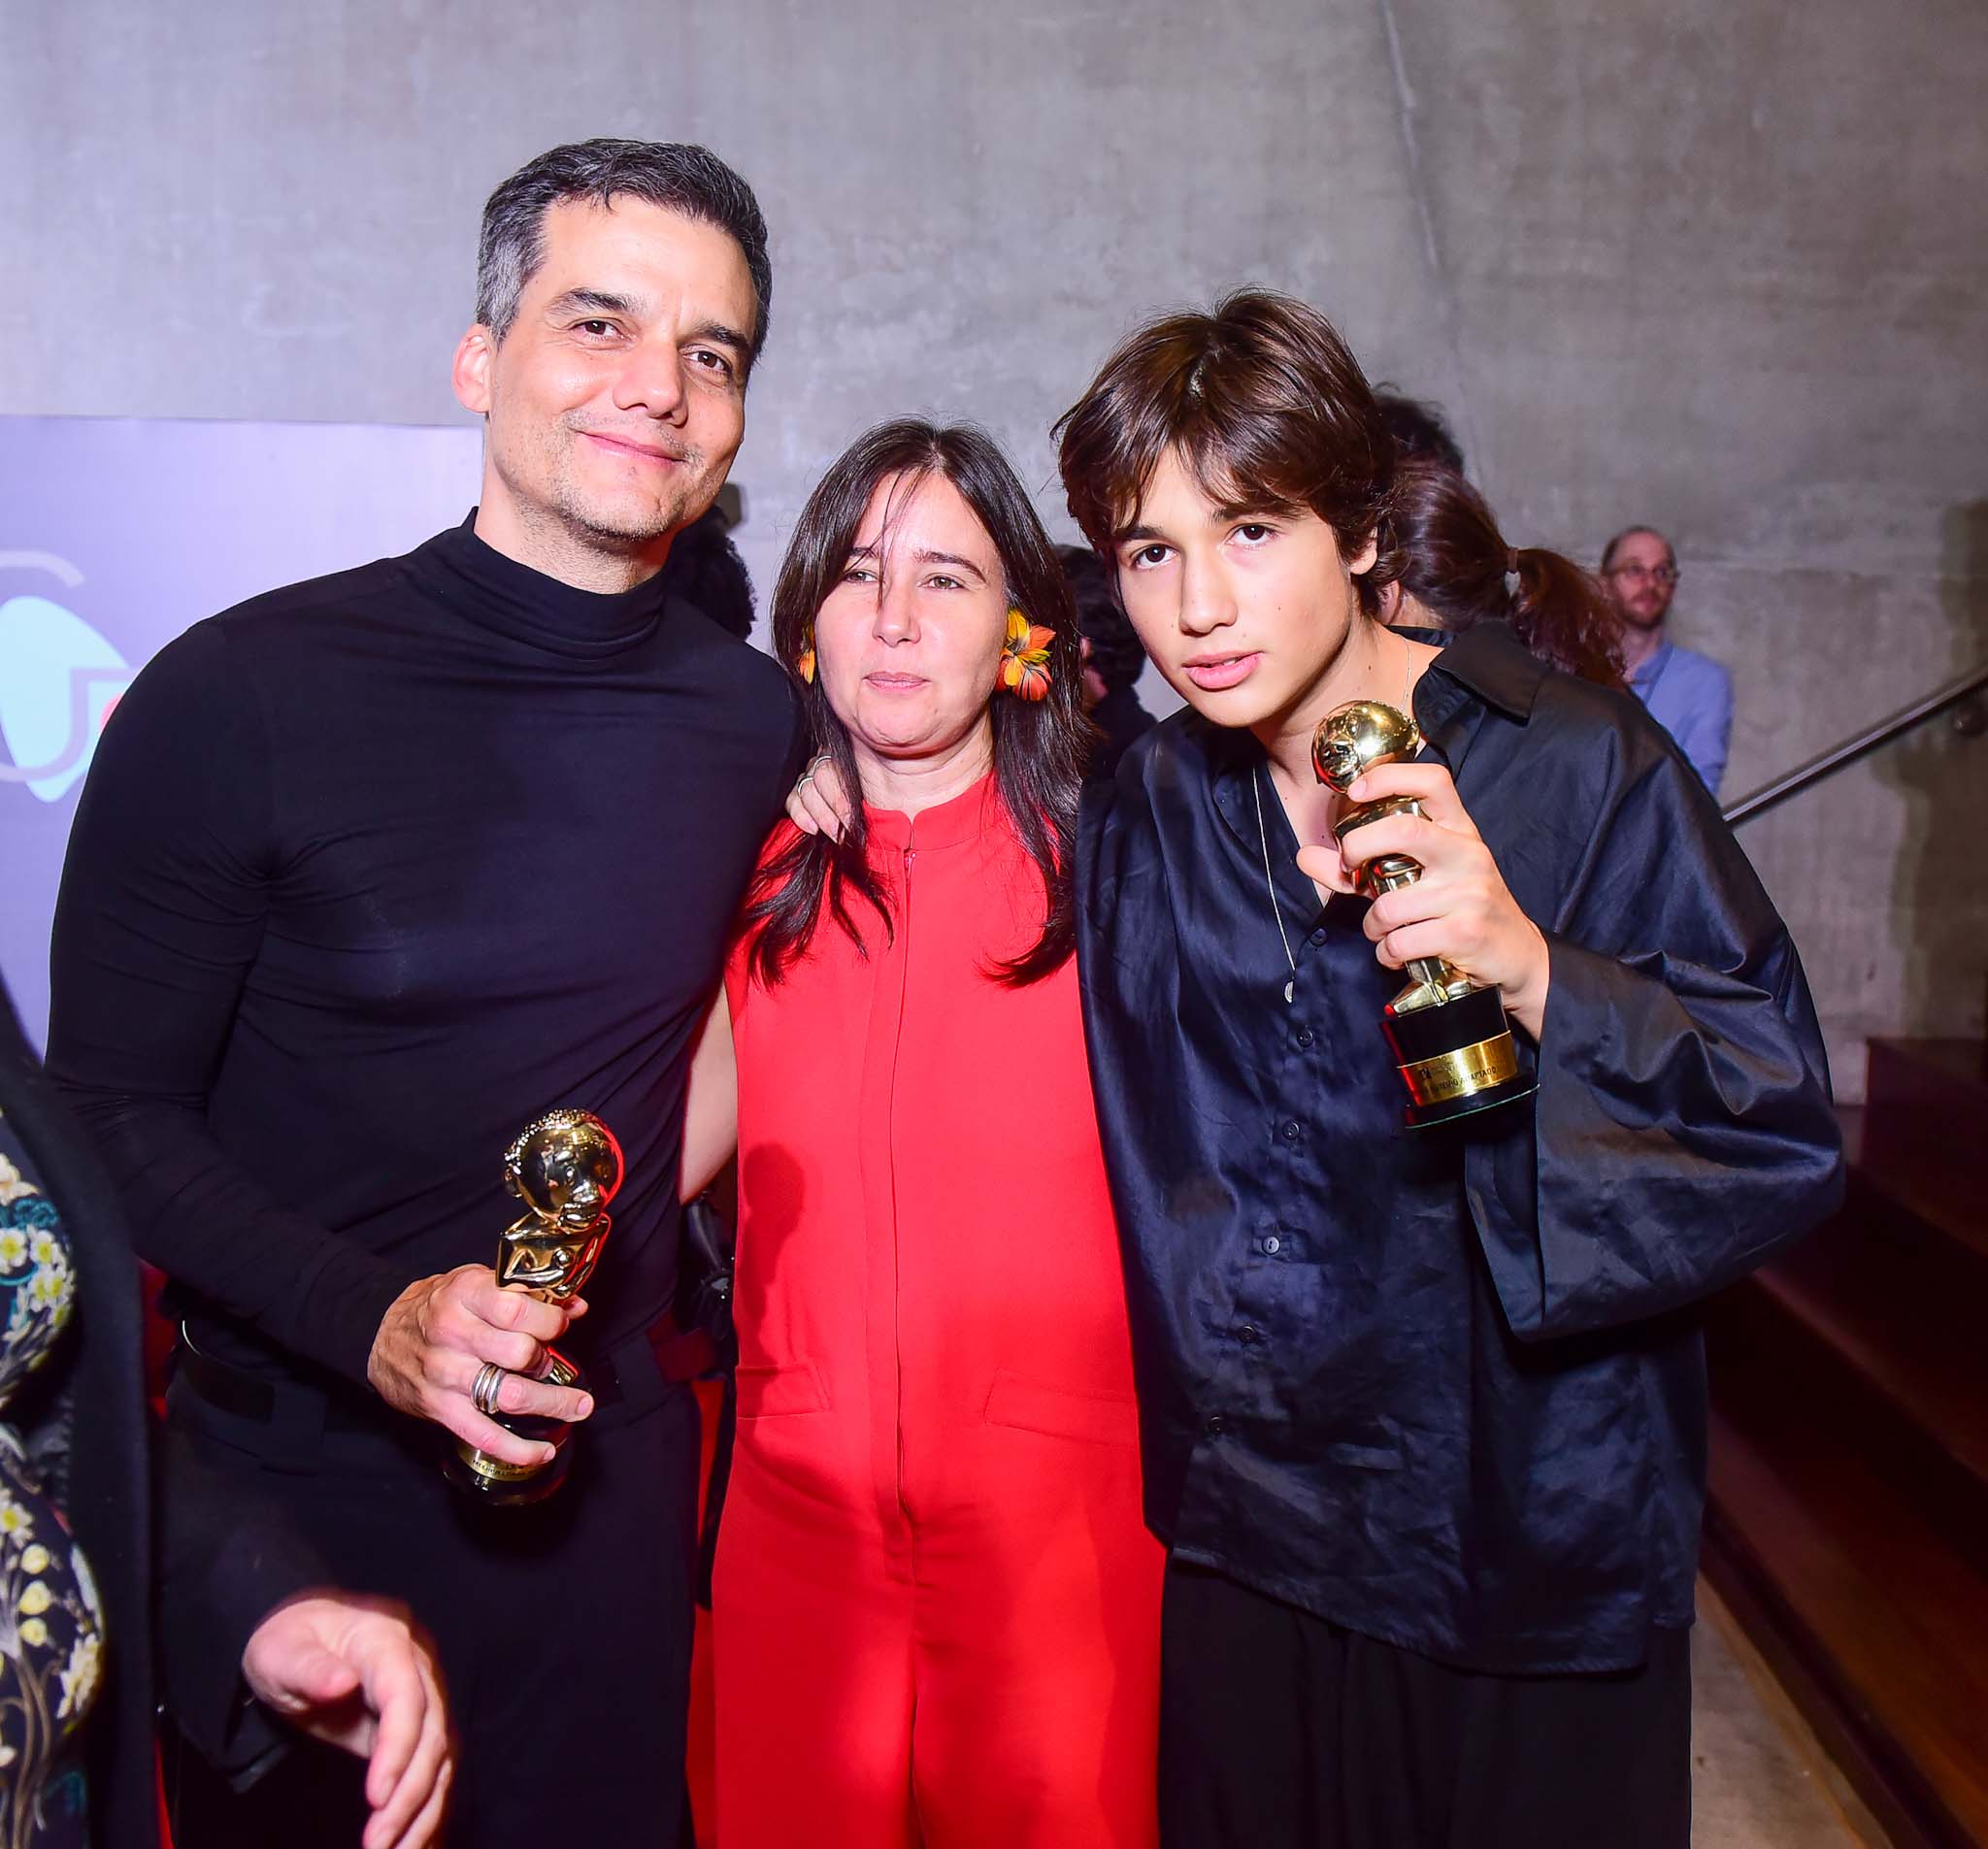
x,y
115,535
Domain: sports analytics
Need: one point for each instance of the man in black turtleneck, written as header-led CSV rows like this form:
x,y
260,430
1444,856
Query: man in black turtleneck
x,y
369,873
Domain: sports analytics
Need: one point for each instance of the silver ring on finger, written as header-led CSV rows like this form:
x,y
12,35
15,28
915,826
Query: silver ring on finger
x,y
489,1383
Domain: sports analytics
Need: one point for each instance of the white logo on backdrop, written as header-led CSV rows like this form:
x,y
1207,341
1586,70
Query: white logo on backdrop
x,y
60,680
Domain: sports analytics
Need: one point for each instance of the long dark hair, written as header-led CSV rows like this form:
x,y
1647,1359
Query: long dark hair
x,y
1455,561
1038,744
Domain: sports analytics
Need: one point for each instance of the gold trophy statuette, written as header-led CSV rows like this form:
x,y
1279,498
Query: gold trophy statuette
x,y
1451,1042
565,1168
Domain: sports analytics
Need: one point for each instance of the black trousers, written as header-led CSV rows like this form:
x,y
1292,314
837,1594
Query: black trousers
x,y
564,1631
1279,1731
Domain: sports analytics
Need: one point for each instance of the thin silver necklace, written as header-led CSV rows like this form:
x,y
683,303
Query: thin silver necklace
x,y
1277,910
1269,883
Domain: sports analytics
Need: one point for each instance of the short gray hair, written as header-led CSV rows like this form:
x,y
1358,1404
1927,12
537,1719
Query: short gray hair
x,y
678,176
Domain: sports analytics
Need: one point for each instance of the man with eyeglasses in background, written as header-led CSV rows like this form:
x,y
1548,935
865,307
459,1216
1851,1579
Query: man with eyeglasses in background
x,y
1688,694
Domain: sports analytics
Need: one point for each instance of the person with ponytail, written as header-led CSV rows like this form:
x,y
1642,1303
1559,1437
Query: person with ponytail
x,y
934,1604
1456,570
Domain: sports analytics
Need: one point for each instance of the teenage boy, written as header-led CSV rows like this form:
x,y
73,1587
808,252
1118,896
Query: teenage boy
x,y
1424,1411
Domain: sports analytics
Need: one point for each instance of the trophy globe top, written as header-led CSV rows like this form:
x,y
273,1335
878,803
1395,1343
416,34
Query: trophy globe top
x,y
565,1168
1355,738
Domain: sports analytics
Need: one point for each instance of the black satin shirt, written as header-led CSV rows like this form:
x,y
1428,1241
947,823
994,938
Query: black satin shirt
x,y
1445,1387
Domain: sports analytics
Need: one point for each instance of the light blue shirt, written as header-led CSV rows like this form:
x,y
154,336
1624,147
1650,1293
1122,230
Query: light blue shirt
x,y
1691,697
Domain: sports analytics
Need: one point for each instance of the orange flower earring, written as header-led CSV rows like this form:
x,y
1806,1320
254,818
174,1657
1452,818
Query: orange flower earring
x,y
1026,657
805,665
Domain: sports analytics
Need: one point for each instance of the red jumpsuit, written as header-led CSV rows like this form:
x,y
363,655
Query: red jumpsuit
x,y
936,1613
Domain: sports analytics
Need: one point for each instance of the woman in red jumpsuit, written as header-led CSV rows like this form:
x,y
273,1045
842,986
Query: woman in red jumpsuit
x,y
935,1607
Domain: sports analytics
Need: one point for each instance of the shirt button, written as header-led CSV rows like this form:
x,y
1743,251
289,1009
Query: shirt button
x,y
1216,1425
1305,1037
1318,938
1292,1130
1249,1334
1273,1244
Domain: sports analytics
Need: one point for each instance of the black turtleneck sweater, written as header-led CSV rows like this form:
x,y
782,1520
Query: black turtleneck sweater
x,y
368,873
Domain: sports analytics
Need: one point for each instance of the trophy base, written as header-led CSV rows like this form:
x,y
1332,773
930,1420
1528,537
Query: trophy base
x,y
490,1480
1456,1058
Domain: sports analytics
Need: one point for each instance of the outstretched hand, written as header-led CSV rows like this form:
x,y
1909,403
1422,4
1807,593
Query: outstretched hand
x,y
1460,910
354,1672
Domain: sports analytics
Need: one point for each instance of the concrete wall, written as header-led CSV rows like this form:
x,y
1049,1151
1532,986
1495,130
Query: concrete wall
x,y
1716,264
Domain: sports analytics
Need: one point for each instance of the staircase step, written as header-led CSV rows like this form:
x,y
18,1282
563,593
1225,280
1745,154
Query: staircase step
x,y
1878,1314
1899,1373
1927,1101
1875,1621
1900,1301
1957,1062
1924,1186
1847,1517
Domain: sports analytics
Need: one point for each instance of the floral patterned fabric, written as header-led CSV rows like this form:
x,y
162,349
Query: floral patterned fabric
x,y
51,1628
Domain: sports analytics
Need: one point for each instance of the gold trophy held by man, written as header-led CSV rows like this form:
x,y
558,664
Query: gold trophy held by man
x,y
1451,1042
565,1167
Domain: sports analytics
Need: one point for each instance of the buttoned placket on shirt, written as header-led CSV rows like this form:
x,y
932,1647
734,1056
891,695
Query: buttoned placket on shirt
x,y
1254,1314
1246,1325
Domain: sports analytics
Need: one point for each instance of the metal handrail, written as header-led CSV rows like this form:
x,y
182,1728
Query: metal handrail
x,y
1794,782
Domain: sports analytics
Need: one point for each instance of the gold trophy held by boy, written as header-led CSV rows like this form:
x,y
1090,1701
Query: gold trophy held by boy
x,y
1451,1042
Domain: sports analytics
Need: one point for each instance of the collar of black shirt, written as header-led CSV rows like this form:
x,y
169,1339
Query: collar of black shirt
x,y
1486,660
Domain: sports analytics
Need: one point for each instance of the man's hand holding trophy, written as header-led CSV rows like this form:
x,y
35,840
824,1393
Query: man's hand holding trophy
x,y
471,1350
